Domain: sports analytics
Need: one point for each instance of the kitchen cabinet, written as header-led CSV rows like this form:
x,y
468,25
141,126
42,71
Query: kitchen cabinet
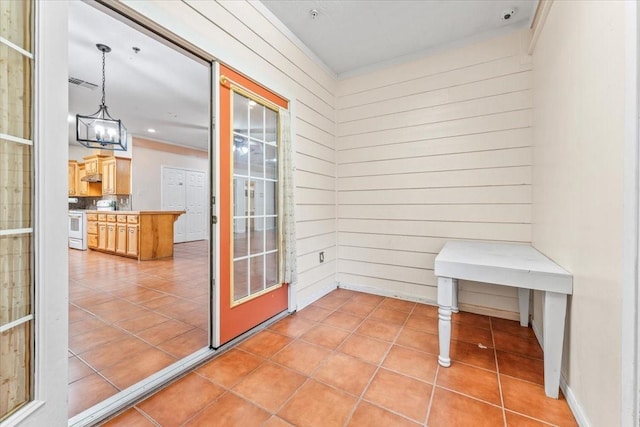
x,y
121,238
102,236
92,231
132,240
87,189
116,175
93,164
145,235
73,177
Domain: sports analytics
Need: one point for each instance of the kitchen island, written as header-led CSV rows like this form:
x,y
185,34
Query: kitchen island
x,y
145,235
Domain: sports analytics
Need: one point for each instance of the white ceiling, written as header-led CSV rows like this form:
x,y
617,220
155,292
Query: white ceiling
x,y
158,88
350,35
163,89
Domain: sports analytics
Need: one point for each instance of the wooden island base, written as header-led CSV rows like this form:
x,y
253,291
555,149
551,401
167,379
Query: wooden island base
x,y
145,235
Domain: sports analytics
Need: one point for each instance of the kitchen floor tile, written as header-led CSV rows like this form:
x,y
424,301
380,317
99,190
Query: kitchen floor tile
x,y
519,420
400,393
345,372
529,399
269,386
301,356
511,327
140,323
365,348
133,369
398,304
292,326
342,320
521,367
229,411
326,336
228,368
316,404
109,354
265,343
417,340
387,315
368,415
453,409
412,363
188,395
88,391
356,308
78,369
315,314
472,354
186,344
423,323
164,332
471,381
515,344
378,329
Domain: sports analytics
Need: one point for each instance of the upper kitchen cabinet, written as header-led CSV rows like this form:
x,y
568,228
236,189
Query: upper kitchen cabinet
x,y
116,175
86,188
73,177
93,164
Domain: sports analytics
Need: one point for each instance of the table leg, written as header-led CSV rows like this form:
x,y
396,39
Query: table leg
x,y
555,308
523,302
445,300
454,296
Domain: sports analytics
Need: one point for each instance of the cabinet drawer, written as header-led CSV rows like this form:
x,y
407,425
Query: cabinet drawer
x,y
92,228
111,218
132,219
122,218
102,217
92,240
92,217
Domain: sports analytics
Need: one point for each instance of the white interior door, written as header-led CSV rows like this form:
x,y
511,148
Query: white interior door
x,y
184,189
196,196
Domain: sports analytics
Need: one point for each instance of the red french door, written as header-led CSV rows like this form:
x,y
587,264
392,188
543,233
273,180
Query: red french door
x,y
250,289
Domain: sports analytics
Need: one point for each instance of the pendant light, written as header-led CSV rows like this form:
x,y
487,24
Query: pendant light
x,y
100,130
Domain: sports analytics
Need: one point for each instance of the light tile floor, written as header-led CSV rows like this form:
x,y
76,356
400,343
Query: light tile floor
x,y
354,359
129,319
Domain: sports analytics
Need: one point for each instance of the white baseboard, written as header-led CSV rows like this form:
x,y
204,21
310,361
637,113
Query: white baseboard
x,y
537,331
578,412
384,293
303,302
576,409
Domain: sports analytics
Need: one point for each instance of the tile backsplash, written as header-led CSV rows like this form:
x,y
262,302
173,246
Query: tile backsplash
x,y
123,201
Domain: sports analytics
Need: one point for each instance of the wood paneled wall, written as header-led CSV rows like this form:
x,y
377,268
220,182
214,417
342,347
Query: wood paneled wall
x,y
432,150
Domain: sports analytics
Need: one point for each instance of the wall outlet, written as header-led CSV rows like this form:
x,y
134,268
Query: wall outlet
x,y
321,257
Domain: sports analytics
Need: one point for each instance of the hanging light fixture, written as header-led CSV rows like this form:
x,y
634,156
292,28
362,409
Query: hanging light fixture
x,y
100,130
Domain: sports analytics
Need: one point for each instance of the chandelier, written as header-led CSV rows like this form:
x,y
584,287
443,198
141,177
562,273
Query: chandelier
x,y
100,130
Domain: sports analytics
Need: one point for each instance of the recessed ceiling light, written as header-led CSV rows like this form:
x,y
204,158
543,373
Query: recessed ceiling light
x,y
150,130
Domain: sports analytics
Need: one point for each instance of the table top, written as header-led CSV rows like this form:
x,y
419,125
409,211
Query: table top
x,y
502,264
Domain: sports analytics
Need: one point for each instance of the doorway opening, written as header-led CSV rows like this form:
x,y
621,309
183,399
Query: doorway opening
x,y
132,317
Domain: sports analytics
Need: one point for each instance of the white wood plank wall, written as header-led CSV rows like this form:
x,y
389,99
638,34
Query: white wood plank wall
x,y
433,150
240,35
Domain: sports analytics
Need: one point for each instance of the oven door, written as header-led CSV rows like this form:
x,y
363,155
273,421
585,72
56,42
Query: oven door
x,y
75,226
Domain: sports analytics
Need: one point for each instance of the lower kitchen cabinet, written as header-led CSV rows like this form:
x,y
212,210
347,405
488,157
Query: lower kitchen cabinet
x,y
132,240
144,235
121,239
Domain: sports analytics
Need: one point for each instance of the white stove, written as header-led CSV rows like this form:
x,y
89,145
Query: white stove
x,y
78,230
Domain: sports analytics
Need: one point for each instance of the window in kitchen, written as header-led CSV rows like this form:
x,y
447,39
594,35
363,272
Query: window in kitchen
x,y
16,191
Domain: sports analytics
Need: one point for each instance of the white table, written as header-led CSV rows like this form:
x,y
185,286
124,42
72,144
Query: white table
x,y
519,266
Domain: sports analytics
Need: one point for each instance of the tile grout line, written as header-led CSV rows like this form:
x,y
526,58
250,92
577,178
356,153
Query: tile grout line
x,y
495,356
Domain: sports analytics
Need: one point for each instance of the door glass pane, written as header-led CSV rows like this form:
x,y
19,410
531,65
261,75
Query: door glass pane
x,y
240,278
271,126
15,367
15,176
272,269
270,162
271,233
257,235
257,273
255,212
15,277
256,152
240,155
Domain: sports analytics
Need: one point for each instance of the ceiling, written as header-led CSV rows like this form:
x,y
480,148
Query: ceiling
x,y
162,88
157,88
350,36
